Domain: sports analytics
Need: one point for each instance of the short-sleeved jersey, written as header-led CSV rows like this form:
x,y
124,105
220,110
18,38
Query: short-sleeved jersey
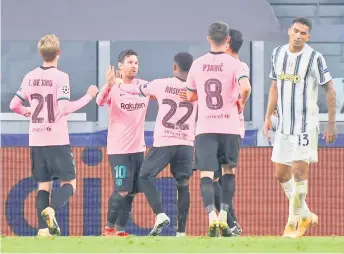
x,y
175,122
298,76
43,87
127,113
215,77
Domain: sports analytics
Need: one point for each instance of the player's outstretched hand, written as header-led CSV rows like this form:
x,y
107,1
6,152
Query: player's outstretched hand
x,y
182,94
110,76
118,74
92,91
241,106
267,127
28,112
330,134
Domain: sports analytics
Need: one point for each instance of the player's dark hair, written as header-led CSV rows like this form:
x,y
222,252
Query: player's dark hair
x,y
236,40
218,32
303,21
184,61
126,53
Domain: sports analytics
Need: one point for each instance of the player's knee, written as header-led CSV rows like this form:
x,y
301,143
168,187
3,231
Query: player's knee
x,y
182,182
300,170
216,179
73,183
283,173
300,174
227,169
45,186
209,174
123,193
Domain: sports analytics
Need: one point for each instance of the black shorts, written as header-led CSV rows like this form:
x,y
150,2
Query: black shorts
x,y
214,149
52,162
179,157
125,170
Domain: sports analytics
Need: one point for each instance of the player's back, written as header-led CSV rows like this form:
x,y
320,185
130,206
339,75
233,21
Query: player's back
x,y
215,77
175,122
43,87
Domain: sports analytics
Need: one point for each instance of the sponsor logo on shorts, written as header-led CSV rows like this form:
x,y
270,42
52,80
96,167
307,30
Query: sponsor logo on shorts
x,y
132,106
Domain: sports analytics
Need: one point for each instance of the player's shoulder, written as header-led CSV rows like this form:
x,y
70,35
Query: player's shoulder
x,y
139,81
32,73
201,59
244,65
311,53
162,80
280,49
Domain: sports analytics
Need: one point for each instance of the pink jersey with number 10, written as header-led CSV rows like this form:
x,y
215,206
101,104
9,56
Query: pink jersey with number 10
x,y
175,122
214,76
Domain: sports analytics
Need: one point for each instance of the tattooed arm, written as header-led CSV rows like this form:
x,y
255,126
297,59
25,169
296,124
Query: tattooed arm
x,y
324,79
331,101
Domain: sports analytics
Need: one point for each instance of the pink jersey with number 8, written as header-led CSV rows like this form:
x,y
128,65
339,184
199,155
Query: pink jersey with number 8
x,y
215,76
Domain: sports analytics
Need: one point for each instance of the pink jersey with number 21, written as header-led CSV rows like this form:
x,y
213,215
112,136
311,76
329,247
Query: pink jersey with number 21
x,y
43,88
215,77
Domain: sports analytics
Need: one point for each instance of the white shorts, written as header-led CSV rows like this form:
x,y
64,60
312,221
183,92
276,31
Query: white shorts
x,y
289,148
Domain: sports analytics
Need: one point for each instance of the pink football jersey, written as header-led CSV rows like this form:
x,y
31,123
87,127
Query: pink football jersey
x,y
127,113
43,88
175,122
215,77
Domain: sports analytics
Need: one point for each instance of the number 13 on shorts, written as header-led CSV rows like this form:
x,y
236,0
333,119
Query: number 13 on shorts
x,y
304,139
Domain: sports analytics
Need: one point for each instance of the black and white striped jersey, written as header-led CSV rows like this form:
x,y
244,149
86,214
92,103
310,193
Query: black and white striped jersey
x,y
298,76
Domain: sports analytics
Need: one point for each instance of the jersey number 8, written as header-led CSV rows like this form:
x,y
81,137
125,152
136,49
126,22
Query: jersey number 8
x,y
214,99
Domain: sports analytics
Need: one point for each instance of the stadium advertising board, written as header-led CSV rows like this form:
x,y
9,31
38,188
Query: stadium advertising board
x,y
260,203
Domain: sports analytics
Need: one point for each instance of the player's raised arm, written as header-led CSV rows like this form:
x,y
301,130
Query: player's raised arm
x,y
21,95
243,77
191,93
103,96
324,78
146,89
63,97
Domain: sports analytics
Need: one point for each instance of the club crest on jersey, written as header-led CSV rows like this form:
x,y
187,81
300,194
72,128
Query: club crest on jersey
x,y
289,77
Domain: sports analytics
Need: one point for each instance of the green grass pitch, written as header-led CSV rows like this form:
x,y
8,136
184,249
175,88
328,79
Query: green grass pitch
x,y
132,244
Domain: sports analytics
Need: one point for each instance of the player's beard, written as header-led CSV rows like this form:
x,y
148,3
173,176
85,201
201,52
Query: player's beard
x,y
131,75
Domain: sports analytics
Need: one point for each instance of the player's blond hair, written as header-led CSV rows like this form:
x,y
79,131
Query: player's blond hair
x,y
48,47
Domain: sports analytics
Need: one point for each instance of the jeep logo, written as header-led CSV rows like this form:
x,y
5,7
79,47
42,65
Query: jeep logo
x,y
289,77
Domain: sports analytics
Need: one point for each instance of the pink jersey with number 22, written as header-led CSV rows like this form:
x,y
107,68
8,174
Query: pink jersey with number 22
x,y
175,122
